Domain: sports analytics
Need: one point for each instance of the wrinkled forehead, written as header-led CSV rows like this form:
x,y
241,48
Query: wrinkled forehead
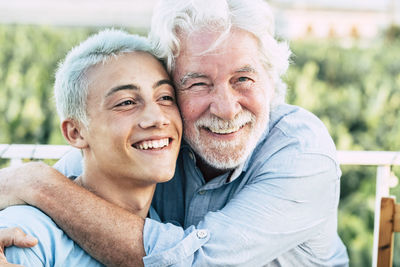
x,y
205,48
206,42
203,41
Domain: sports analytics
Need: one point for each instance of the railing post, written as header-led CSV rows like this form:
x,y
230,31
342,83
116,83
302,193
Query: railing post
x,y
382,190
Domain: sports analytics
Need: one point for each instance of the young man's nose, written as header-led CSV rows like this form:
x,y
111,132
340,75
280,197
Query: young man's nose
x,y
153,116
225,103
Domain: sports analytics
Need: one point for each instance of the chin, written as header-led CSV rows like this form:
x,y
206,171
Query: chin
x,y
163,177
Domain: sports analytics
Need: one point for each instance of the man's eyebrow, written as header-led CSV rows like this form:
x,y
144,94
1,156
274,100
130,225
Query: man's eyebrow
x,y
247,68
191,75
121,87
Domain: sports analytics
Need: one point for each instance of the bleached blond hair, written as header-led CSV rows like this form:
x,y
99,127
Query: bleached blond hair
x,y
71,83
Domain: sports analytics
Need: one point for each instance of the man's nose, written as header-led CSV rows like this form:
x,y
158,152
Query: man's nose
x,y
225,103
153,117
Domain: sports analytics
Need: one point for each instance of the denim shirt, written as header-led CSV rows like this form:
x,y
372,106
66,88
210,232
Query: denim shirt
x,y
279,208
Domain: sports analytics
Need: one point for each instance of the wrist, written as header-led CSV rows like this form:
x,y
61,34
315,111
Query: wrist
x,y
39,182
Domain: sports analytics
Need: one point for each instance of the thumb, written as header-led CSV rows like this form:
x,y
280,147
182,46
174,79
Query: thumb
x,y
15,236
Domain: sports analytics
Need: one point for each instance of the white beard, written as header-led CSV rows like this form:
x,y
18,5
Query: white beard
x,y
225,155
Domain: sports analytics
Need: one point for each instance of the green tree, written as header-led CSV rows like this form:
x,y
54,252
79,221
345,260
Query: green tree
x,y
28,60
356,92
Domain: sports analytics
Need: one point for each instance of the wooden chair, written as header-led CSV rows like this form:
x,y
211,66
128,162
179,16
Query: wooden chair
x,y
389,223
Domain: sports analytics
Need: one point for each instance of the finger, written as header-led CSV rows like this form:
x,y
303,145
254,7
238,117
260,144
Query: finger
x,y
3,259
6,264
15,236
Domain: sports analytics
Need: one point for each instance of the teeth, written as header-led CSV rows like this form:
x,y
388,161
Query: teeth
x,y
224,131
152,144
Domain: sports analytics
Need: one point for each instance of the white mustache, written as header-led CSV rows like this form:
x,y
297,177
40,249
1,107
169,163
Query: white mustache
x,y
216,124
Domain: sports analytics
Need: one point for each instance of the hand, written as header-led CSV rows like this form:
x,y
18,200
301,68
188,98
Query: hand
x,y
6,264
16,183
16,237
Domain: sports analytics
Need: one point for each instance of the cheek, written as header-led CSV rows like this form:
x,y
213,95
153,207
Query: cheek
x,y
256,102
192,107
176,119
118,127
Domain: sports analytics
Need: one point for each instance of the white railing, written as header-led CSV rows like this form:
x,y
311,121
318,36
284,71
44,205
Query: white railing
x,y
385,179
16,153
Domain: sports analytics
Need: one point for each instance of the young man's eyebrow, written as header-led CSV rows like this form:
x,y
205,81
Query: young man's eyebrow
x,y
191,75
162,82
121,87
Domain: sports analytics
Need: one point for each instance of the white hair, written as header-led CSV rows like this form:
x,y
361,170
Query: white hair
x,y
71,85
172,18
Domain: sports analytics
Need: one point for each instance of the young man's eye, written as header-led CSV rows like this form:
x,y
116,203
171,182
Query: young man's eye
x,y
167,98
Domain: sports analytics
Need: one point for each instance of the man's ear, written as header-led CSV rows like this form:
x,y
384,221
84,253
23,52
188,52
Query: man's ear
x,y
74,133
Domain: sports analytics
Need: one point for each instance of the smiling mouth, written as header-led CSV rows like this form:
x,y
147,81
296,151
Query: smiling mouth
x,y
224,131
152,144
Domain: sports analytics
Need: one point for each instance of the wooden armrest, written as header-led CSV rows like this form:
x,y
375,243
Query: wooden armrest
x,y
396,218
386,229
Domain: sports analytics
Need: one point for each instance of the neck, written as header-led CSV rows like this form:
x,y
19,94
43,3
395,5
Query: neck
x,y
208,171
122,192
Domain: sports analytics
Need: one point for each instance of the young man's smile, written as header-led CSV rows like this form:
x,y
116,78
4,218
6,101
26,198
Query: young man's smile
x,y
137,120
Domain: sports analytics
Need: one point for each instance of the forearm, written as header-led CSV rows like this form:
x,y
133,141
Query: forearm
x,y
107,232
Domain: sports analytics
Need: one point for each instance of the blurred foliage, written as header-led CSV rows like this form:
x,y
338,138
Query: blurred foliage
x,y
28,60
354,89
392,33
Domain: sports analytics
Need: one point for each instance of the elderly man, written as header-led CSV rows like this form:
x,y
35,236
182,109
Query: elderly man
x,y
257,182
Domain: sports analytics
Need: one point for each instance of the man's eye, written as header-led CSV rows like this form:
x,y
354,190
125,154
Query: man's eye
x,y
198,84
243,79
126,103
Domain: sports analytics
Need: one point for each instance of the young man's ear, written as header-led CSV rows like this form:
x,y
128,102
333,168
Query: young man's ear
x,y
73,132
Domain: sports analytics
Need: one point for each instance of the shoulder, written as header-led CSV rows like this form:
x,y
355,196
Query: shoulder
x,y
295,127
33,222
303,126
295,143
71,163
24,216
54,247
296,159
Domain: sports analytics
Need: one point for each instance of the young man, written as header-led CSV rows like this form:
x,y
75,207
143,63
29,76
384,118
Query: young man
x,y
117,105
257,180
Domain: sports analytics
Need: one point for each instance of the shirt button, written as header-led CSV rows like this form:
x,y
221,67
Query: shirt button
x,y
202,192
191,156
201,234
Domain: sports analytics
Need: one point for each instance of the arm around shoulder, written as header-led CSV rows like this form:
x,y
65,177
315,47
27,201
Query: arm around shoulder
x,y
279,212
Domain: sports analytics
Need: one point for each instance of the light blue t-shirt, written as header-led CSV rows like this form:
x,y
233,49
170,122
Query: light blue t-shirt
x,y
55,248
277,209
